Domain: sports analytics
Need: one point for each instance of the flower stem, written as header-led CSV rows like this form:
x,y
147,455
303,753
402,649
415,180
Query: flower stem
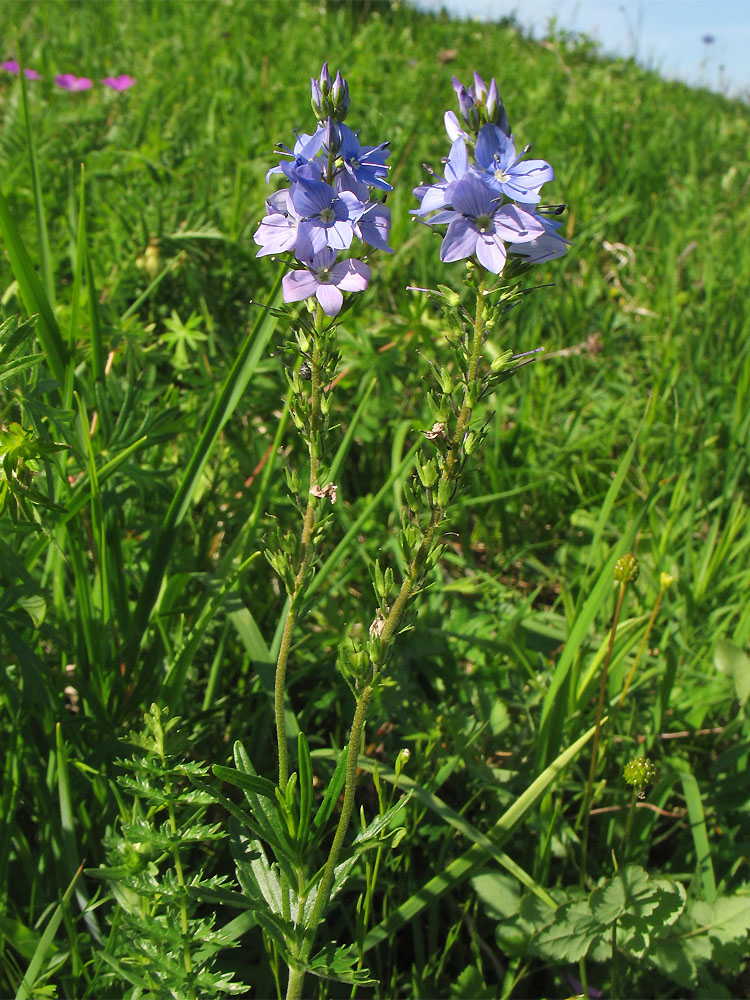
x,y
305,555
296,976
595,749
451,469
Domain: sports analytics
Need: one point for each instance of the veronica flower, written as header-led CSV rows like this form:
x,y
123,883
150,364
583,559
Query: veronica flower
x,y
365,163
496,158
479,225
69,81
374,225
548,246
439,195
122,82
306,157
277,233
326,216
11,65
324,278
478,104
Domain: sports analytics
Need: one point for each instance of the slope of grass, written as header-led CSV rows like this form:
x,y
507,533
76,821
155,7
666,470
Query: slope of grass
x,y
646,345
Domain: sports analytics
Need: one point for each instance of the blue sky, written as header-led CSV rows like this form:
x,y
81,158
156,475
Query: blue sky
x,y
666,35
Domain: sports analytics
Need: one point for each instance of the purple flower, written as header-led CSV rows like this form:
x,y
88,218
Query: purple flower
x,y
329,100
68,81
479,224
478,105
374,225
439,195
306,157
548,246
365,163
121,82
324,278
326,216
277,233
517,178
11,65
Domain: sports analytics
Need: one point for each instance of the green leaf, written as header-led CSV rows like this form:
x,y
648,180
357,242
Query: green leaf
x,y
338,962
729,659
35,606
27,986
250,782
465,865
33,295
304,764
470,984
628,891
571,934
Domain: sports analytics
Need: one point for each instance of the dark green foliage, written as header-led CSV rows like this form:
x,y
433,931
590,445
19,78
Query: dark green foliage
x,y
163,939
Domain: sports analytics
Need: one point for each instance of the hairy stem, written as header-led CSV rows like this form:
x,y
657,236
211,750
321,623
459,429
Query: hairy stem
x,y
450,472
305,556
296,977
451,467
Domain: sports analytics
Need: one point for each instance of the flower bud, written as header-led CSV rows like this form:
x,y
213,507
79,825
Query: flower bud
x,y
316,98
340,97
329,100
325,80
402,760
466,103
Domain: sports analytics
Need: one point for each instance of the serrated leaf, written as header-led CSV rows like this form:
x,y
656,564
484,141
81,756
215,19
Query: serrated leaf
x,y
676,959
726,919
338,962
672,897
471,984
628,891
571,933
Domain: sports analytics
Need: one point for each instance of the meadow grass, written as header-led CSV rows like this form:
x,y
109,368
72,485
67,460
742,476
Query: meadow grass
x,y
132,573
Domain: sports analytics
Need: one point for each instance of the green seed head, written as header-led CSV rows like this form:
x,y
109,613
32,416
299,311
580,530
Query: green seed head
x,y
639,772
626,569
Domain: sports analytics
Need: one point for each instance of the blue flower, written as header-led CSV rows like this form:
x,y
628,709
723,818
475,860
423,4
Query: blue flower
x,y
365,163
479,225
277,233
327,217
307,157
549,246
324,278
517,178
439,195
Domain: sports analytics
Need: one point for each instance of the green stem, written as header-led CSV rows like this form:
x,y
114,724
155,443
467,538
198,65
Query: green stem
x,y
297,976
305,557
595,749
450,470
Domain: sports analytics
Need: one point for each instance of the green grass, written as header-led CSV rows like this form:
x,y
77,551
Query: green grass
x,y
137,577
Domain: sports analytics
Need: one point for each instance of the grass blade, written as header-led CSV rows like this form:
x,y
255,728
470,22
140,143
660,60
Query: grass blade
x,y
248,358
460,868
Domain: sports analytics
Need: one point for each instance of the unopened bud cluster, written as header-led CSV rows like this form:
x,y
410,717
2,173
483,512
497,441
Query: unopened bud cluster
x,y
329,100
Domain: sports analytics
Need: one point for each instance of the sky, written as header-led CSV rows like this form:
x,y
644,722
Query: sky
x,y
666,35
